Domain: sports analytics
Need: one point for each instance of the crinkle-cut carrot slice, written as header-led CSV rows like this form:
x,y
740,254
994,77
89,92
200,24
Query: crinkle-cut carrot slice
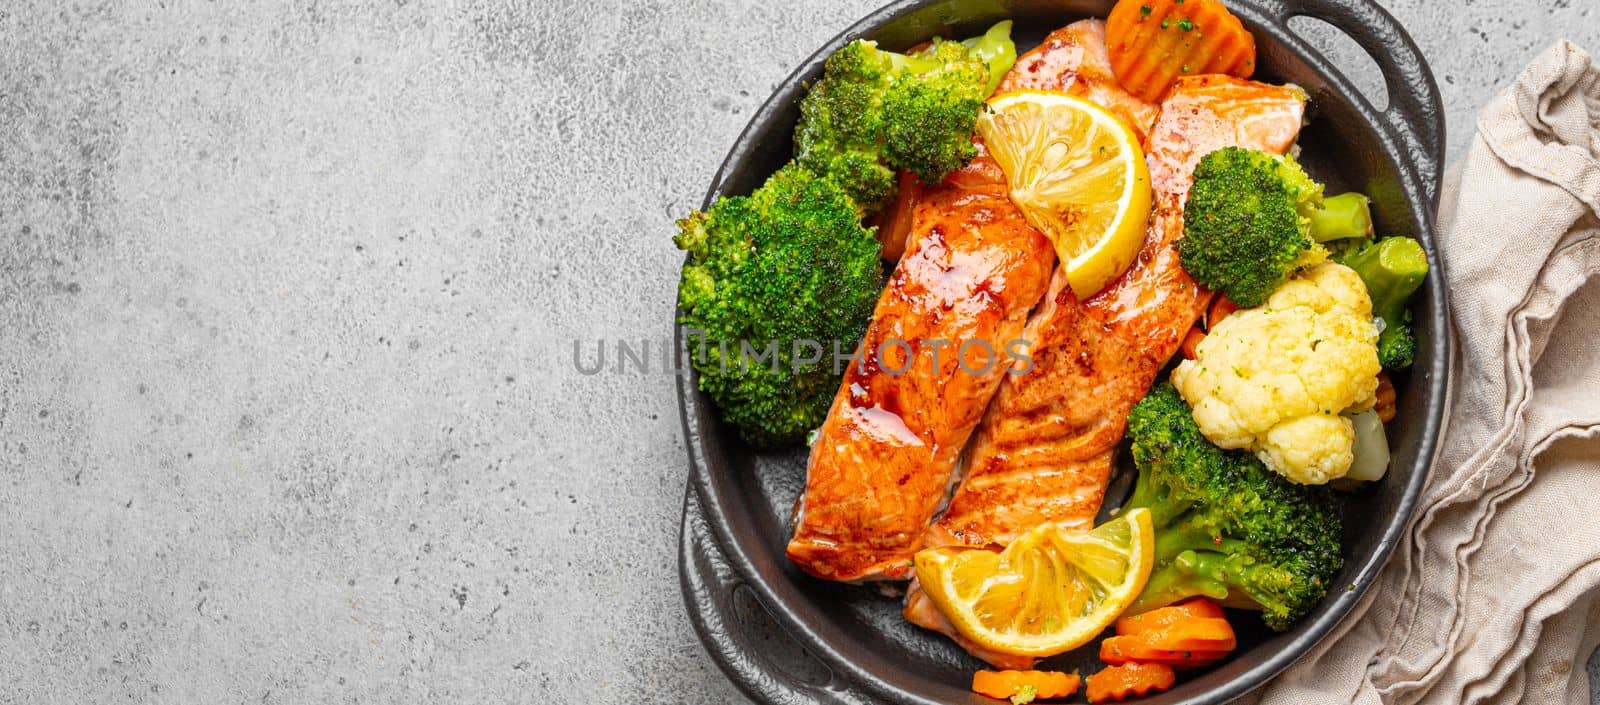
x,y
1128,680
1134,648
1046,685
1153,42
1192,608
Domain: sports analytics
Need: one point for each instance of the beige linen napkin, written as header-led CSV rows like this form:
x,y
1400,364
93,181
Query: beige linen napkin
x,y
1494,595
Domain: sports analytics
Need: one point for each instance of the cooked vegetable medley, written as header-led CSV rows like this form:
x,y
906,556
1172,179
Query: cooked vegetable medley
x,y
1116,217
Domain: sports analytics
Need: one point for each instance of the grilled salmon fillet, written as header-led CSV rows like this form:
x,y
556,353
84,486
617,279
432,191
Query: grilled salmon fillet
x,y
884,459
1044,450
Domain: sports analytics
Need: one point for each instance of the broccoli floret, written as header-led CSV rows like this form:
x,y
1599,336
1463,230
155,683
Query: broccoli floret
x,y
874,111
1392,268
997,51
1226,526
773,279
1246,224
780,281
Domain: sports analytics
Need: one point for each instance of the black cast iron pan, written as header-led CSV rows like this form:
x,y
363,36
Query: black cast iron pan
x,y
788,639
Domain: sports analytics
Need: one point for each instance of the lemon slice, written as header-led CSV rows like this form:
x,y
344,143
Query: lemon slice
x,y
1051,591
1078,175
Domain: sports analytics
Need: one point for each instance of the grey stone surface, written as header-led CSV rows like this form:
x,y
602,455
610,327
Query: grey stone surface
x,y
287,298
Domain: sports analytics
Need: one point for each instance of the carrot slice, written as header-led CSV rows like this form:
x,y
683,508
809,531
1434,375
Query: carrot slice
x,y
1016,684
1385,404
894,221
1205,634
1191,342
1131,679
1134,648
1221,306
1218,309
1187,634
1194,608
1206,299
1153,42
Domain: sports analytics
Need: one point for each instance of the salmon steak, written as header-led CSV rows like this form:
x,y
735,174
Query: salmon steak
x,y
881,464
936,349
1045,448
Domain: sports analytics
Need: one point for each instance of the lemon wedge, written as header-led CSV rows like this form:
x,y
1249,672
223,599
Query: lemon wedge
x,y
1078,175
1051,591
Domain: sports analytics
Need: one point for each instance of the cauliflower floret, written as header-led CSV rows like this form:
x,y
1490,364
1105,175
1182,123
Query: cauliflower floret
x,y
1276,379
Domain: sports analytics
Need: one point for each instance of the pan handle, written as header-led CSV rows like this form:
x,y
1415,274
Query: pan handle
x,y
1415,114
709,589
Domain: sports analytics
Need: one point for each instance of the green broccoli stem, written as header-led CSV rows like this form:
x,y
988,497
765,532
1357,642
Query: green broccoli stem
x,y
1226,526
1157,498
1187,536
1223,575
1341,217
1178,580
997,50
1392,268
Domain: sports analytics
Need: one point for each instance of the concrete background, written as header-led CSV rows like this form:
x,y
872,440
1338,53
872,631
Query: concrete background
x,y
287,298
